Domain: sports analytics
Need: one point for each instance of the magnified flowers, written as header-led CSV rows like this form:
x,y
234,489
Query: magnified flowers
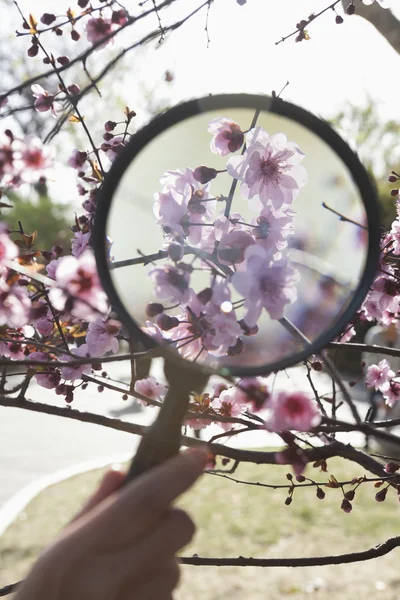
x,y
269,169
225,268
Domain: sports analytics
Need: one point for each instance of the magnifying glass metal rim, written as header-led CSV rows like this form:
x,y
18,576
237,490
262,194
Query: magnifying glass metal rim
x,y
225,102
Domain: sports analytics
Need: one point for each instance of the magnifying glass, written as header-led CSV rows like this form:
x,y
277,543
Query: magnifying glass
x,y
235,235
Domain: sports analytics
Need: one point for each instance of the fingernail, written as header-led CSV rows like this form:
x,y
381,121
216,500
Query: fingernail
x,y
116,467
197,456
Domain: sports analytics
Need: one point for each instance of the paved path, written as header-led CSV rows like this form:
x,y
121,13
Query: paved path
x,y
34,445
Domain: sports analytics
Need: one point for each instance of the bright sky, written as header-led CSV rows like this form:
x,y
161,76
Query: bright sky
x,y
340,64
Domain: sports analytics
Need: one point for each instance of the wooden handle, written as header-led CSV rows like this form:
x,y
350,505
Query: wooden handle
x,y
163,439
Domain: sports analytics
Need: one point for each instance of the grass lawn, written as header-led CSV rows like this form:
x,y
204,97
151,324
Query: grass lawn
x,y
235,519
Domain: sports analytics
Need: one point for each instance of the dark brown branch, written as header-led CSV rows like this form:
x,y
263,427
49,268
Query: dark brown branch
x,y
307,22
382,19
363,348
254,456
84,55
312,561
241,561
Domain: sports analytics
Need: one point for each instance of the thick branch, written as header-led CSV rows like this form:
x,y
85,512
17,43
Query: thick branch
x,y
382,19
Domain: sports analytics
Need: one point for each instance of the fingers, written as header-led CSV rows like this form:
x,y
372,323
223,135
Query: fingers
x,y
159,587
140,505
111,482
173,533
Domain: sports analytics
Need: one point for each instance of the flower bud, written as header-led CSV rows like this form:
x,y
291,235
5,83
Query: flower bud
x,y
339,20
391,468
74,89
317,365
346,506
205,295
288,500
350,495
108,136
153,309
351,9
112,327
165,322
110,125
289,476
236,349
33,50
246,329
63,61
394,192
300,478
175,251
392,179
75,35
83,3
381,495
47,18
125,397
204,174
320,493
58,31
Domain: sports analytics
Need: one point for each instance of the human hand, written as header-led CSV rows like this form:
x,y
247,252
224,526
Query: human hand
x,y
121,545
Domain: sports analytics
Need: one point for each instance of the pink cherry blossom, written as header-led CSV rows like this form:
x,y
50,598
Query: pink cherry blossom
x,y
150,388
292,411
78,160
15,350
395,237
45,101
206,329
232,247
254,392
80,243
101,336
379,376
265,284
273,227
36,160
385,292
113,147
47,377
15,304
76,372
228,404
44,326
170,283
269,169
79,283
97,29
200,404
227,136
181,203
8,250
51,268
392,394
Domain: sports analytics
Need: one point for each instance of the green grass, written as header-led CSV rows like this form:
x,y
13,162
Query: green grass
x,y
234,519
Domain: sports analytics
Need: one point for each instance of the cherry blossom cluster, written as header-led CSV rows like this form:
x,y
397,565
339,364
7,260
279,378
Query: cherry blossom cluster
x,y
246,260
23,160
283,411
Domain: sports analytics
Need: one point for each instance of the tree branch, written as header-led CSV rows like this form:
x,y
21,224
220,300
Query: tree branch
x,y
312,561
382,19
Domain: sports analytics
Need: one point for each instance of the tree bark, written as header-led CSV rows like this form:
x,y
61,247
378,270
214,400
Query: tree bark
x,y
382,19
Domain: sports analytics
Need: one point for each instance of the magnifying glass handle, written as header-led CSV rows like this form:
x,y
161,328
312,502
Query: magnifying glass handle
x,y
163,439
